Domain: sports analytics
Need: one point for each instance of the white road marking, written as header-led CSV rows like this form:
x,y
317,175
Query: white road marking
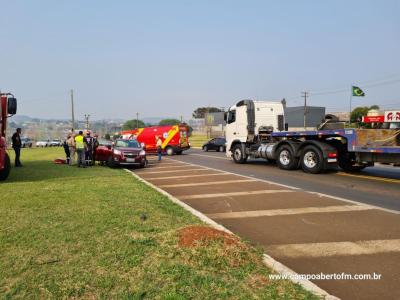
x,y
170,171
334,248
216,157
202,196
205,183
287,211
299,189
187,176
170,167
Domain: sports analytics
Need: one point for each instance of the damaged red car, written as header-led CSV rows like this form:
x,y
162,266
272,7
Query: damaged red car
x,y
122,152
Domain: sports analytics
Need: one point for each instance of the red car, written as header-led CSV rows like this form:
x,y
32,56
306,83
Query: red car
x,y
123,152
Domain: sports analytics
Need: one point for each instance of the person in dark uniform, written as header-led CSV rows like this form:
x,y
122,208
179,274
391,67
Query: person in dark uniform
x,y
66,150
89,149
16,144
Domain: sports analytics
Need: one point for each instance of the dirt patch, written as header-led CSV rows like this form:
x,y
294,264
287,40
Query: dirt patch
x,y
193,235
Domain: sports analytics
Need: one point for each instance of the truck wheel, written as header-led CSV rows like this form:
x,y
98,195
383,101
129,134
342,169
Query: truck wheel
x,y
347,166
312,160
7,168
237,154
169,151
179,152
286,159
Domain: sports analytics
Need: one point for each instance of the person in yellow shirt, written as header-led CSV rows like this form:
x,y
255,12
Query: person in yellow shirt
x,y
80,149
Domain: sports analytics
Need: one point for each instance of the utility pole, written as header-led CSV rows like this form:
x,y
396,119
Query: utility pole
x,y
72,110
87,121
137,120
305,95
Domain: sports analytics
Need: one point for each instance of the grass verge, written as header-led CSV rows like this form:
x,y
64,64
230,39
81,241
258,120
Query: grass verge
x,y
76,233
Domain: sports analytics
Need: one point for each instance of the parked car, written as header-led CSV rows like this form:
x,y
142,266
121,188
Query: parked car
x,y
26,142
42,143
217,144
55,143
123,152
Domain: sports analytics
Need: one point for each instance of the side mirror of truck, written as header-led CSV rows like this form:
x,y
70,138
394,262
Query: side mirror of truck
x,y
12,106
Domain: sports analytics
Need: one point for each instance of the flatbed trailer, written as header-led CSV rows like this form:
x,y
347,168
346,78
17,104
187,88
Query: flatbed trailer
x,y
256,130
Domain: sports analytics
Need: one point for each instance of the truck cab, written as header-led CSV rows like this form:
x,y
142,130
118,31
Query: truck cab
x,y
245,120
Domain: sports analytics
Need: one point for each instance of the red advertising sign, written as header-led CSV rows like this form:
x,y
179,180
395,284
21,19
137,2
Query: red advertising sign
x,y
373,119
392,116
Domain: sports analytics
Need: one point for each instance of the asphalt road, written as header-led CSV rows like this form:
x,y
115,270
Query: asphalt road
x,y
313,224
378,186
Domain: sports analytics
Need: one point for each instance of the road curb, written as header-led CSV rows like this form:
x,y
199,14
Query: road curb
x,y
268,260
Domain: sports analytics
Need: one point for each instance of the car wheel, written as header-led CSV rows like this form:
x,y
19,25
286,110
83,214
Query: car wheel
x,y
312,160
205,148
286,159
111,162
238,155
221,149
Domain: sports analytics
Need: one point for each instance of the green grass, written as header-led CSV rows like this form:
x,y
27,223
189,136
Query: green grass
x,y
197,140
76,233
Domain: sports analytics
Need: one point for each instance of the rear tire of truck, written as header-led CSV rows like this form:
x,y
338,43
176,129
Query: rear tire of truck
x,y
238,155
347,166
312,160
286,159
7,168
169,151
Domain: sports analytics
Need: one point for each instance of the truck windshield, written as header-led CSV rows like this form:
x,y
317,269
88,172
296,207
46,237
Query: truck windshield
x,y
127,144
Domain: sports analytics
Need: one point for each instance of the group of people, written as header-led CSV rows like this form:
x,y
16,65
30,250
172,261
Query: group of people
x,y
83,145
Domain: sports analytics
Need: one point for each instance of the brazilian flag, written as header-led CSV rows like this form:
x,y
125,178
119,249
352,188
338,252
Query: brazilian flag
x,y
357,92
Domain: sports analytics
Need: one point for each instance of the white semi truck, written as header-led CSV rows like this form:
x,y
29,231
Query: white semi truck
x,y
257,129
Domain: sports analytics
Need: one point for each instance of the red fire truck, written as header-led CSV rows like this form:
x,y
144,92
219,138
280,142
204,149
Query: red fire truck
x,y
175,138
8,107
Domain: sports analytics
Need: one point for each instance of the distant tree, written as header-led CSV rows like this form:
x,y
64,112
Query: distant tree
x,y
200,112
169,122
107,136
358,112
132,124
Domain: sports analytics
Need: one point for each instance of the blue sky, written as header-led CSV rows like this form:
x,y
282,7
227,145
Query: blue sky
x,y
165,58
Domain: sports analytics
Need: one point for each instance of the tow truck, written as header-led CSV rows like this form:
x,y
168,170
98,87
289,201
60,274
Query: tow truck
x,y
257,129
8,107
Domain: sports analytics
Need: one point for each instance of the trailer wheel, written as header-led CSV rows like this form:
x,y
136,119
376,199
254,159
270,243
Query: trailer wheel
x,y
286,159
312,160
238,155
7,168
347,166
169,151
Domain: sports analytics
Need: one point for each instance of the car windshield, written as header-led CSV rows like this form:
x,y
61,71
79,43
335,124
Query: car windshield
x,y
127,144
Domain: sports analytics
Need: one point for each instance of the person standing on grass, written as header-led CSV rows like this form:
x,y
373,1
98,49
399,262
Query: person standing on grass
x,y
66,150
80,149
16,144
89,149
159,147
71,147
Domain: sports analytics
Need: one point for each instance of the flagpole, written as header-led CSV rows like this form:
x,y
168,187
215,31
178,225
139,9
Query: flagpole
x,y
351,98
